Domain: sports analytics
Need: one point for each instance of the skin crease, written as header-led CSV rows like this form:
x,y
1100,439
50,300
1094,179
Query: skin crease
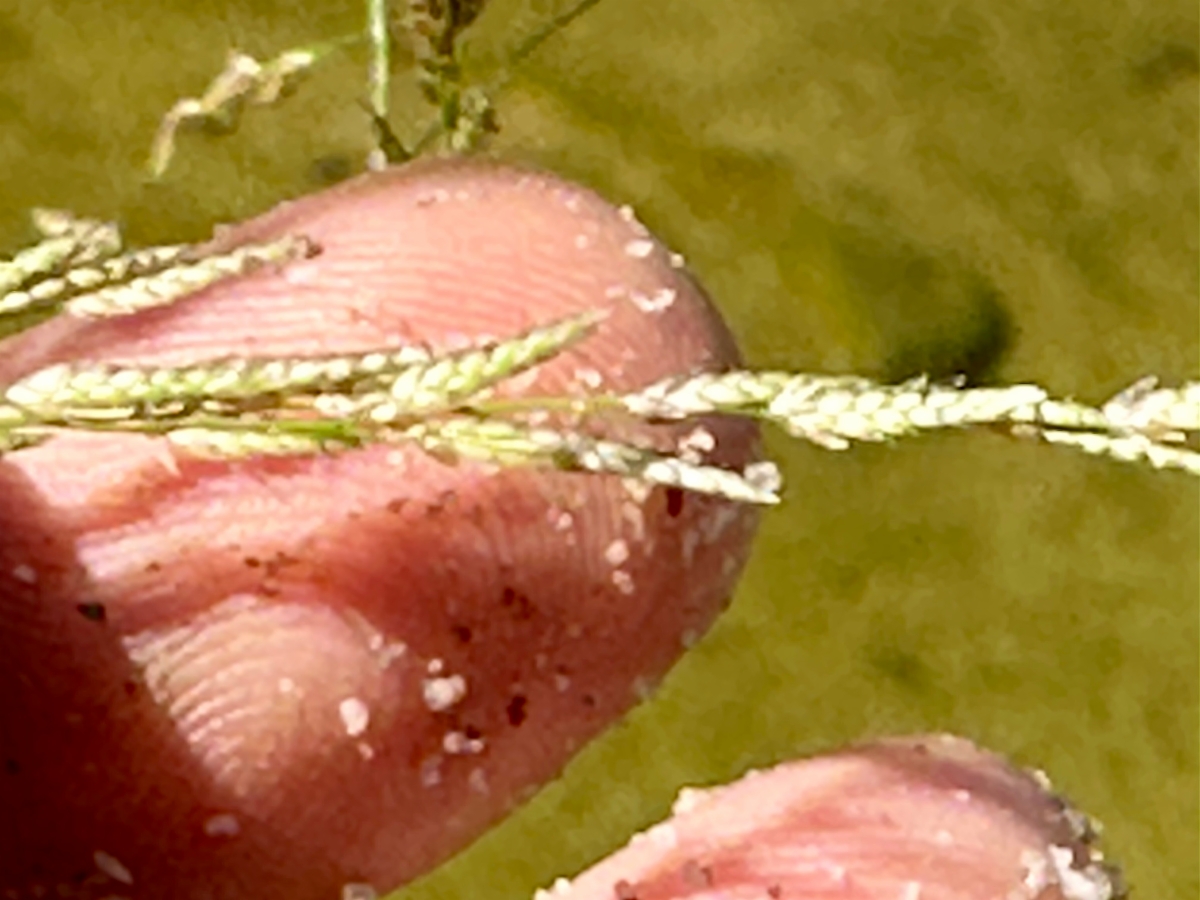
x,y
253,716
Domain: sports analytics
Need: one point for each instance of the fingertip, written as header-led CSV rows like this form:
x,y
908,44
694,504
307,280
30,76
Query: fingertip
x,y
264,603
923,818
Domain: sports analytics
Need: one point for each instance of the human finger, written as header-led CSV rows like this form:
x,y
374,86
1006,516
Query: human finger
x,y
920,818
272,677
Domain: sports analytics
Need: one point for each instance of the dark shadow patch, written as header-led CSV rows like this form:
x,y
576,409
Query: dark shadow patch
x,y
674,502
1167,64
975,351
901,667
16,50
16,46
516,710
516,603
328,170
936,316
93,612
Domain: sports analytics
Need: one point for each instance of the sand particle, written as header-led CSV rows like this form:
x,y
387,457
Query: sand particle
x,y
112,867
222,825
442,693
355,716
639,249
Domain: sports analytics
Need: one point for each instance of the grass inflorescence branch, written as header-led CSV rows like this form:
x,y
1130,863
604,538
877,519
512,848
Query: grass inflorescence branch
x,y
445,402
464,112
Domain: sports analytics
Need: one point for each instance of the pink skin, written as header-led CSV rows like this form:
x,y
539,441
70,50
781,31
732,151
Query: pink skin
x,y
256,610
253,719
928,818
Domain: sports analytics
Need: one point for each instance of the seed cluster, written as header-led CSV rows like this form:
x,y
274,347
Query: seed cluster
x,y
445,403
77,268
1141,423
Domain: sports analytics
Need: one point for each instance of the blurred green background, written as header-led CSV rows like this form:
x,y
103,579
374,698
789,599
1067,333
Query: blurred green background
x,y
1002,187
